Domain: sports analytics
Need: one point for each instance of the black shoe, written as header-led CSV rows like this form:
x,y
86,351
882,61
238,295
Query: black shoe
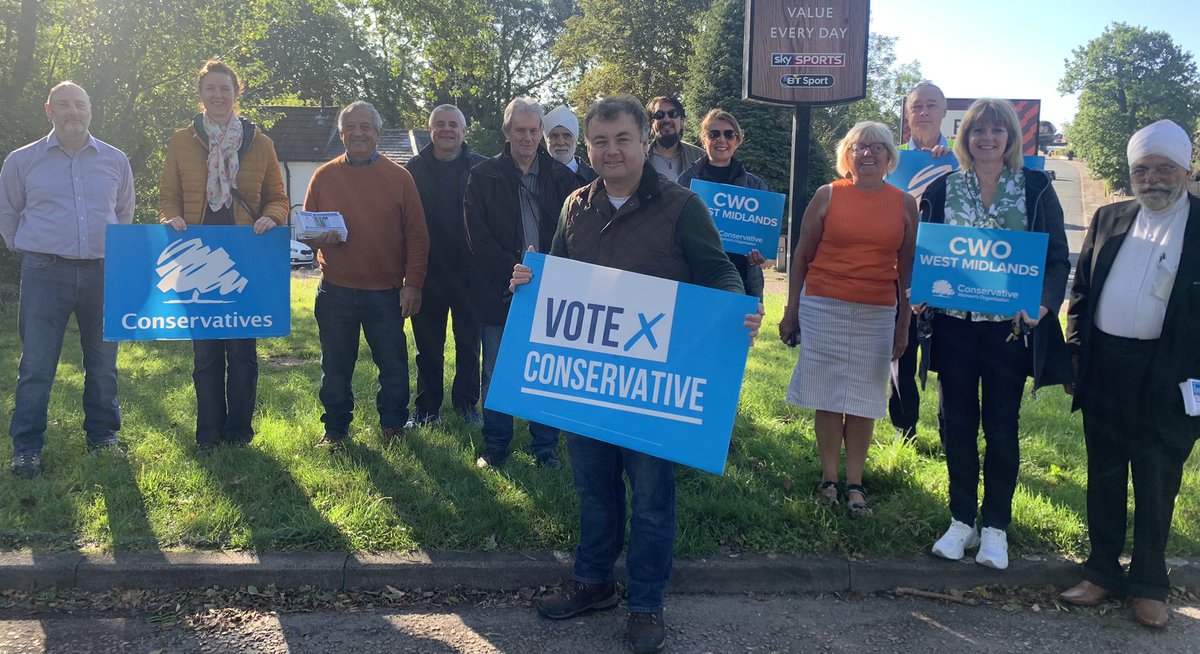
x,y
577,597
491,459
394,434
549,460
332,443
471,417
647,632
27,465
207,448
110,445
422,419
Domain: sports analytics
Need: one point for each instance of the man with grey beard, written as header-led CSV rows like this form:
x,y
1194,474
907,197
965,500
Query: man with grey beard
x,y
1133,328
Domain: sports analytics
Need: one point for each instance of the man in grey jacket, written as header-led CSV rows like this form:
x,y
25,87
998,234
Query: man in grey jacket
x,y
669,155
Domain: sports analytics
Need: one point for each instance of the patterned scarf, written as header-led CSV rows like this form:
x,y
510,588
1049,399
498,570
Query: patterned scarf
x,y
223,144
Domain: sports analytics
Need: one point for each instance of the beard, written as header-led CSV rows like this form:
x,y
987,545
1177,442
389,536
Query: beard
x,y
667,140
563,157
1157,197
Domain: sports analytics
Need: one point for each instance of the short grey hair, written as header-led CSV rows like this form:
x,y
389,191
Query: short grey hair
x,y
608,109
447,107
66,84
361,104
923,85
522,104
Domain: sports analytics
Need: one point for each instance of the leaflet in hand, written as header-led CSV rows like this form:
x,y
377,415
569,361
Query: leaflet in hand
x,y
313,224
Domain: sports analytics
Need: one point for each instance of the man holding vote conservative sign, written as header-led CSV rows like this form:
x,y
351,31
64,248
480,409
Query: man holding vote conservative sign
x,y
630,219
1133,330
57,196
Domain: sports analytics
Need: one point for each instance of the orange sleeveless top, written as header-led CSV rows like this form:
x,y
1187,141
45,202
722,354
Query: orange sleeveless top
x,y
856,258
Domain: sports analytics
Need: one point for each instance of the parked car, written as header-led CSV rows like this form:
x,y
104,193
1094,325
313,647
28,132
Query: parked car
x,y
302,255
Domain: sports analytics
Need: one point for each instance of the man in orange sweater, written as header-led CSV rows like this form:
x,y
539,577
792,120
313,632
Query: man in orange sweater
x,y
373,280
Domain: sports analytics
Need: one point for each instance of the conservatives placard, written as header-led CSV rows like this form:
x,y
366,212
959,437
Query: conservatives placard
x,y
917,168
746,218
638,361
203,282
985,270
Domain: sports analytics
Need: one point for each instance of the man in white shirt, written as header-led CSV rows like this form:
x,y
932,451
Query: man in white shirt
x,y
1134,332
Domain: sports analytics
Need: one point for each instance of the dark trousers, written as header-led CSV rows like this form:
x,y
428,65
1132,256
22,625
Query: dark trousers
x,y
972,357
904,401
225,402
1119,442
498,427
341,313
429,337
598,469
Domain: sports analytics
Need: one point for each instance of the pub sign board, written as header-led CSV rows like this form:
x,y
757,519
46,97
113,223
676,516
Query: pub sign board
x,y
805,52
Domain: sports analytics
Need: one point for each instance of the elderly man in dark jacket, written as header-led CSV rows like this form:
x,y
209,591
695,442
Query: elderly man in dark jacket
x,y
1133,329
512,203
441,171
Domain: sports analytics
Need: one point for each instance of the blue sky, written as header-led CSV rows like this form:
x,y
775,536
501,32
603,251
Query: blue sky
x,y
1016,48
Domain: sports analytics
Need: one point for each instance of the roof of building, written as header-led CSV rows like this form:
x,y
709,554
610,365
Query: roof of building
x,y
310,134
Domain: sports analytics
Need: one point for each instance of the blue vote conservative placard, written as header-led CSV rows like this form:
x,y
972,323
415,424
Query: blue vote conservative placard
x,y
995,271
917,168
747,219
634,360
204,282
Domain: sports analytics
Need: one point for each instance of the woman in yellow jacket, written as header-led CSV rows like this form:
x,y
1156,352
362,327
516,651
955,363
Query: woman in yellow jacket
x,y
222,170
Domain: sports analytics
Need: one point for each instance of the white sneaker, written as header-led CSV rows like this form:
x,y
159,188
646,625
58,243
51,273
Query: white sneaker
x,y
959,537
993,549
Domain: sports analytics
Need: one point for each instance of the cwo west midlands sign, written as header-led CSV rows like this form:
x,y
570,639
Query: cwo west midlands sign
x,y
747,219
633,360
214,282
995,271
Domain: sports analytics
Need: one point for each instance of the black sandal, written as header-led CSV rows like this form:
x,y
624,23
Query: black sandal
x,y
827,492
861,509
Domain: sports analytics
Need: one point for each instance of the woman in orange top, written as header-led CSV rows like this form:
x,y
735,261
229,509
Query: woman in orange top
x,y
222,170
856,244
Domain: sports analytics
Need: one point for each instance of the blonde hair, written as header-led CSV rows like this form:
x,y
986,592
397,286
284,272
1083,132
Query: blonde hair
x,y
994,112
720,114
867,131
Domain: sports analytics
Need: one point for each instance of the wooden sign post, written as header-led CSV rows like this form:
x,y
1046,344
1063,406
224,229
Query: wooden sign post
x,y
804,53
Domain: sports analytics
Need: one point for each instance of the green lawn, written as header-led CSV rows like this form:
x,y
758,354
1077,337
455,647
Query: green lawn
x,y
282,494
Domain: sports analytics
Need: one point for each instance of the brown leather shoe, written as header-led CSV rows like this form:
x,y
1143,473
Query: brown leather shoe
x,y
1085,593
1150,613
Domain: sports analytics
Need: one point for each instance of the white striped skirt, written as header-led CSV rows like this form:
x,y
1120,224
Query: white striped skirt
x,y
845,357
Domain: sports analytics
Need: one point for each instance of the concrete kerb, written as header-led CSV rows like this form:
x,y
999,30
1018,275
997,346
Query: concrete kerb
x,y
511,571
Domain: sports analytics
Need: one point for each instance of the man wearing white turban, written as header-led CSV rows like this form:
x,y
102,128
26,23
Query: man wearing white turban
x,y
561,128
1133,328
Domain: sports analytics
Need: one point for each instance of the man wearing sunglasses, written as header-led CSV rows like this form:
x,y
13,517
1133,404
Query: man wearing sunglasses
x,y
669,155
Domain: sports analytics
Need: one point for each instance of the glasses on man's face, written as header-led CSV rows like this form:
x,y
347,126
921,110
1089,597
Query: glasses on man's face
x,y
729,134
673,113
875,148
1164,171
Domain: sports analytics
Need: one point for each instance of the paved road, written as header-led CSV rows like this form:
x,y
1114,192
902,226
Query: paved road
x,y
730,623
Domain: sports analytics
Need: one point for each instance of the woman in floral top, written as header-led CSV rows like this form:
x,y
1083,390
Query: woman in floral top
x,y
992,190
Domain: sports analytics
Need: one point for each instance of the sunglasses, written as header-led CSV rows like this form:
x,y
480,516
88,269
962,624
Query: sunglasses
x,y
673,113
729,134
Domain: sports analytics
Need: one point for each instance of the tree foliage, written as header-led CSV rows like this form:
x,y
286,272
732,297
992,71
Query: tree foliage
x,y
1128,77
640,48
714,80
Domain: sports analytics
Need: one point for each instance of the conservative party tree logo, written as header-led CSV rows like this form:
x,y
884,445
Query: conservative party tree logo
x,y
192,267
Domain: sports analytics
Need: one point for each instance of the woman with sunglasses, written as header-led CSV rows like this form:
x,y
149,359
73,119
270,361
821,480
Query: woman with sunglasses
x,y
992,189
721,136
856,245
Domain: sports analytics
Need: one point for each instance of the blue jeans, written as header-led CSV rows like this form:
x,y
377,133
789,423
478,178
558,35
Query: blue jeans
x,y
340,313
498,427
52,289
225,405
597,467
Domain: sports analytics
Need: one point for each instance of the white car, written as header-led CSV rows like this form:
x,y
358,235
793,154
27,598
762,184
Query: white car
x,y
302,255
